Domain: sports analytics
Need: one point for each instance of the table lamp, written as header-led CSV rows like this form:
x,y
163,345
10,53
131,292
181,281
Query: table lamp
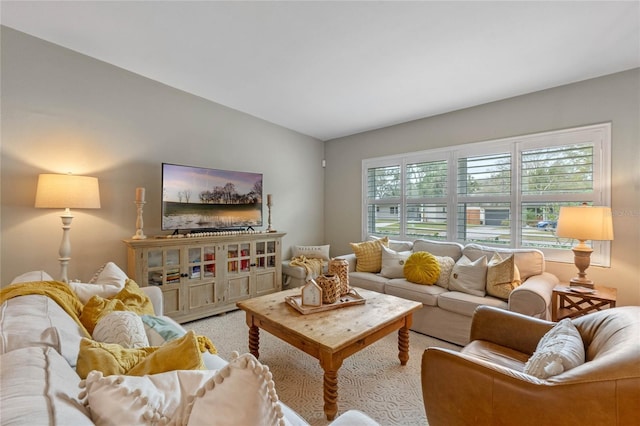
x,y
66,192
584,223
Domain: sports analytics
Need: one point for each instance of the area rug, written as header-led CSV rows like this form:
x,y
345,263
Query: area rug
x,y
372,380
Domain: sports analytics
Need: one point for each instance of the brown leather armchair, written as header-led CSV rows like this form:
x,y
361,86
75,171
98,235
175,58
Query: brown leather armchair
x,y
484,384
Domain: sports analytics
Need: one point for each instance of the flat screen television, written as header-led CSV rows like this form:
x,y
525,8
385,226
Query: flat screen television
x,y
198,198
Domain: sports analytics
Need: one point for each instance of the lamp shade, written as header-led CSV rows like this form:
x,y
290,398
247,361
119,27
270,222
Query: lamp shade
x,y
67,191
585,223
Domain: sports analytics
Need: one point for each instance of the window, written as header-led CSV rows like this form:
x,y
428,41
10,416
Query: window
x,y
506,192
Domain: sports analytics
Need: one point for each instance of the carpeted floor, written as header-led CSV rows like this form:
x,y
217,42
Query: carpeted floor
x,y
372,380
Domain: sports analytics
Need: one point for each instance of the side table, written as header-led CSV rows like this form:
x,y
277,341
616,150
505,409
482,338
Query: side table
x,y
572,302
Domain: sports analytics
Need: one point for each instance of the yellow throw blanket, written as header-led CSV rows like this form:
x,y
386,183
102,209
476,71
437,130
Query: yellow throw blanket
x,y
58,291
312,266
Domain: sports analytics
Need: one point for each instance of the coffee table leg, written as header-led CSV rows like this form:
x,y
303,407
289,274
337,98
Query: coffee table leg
x,y
330,367
254,341
403,345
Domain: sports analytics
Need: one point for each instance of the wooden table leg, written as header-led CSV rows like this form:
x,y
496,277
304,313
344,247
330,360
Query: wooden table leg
x,y
254,337
403,345
403,340
330,367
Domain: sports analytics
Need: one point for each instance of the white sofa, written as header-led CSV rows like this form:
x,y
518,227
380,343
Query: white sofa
x,y
447,314
39,345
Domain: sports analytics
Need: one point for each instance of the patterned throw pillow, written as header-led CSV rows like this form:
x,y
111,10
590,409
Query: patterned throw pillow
x,y
422,268
502,276
446,266
369,255
559,350
122,327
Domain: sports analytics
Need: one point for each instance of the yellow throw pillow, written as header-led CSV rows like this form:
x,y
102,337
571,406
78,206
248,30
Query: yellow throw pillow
x,y
369,254
184,353
130,298
422,268
502,276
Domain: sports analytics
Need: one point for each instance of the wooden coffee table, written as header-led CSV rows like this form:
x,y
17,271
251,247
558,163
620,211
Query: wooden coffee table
x,y
331,336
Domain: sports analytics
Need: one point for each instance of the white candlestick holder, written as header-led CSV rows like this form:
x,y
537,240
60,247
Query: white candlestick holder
x,y
139,222
269,228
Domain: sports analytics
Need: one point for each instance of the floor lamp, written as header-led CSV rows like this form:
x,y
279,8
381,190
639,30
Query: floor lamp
x,y
67,192
584,223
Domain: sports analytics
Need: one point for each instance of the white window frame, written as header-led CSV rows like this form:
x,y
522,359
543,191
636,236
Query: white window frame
x,y
598,134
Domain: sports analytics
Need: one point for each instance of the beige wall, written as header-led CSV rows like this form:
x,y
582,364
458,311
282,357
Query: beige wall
x,y
65,112
614,98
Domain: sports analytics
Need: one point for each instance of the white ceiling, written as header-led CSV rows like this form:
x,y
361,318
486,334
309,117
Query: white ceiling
x,y
335,68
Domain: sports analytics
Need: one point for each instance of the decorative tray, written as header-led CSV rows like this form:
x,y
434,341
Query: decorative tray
x,y
349,299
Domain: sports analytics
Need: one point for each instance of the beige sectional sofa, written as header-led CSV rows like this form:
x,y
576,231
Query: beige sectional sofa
x,y
447,314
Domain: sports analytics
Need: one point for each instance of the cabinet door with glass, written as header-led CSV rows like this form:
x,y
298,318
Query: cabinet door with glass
x,y
238,271
163,269
267,267
201,277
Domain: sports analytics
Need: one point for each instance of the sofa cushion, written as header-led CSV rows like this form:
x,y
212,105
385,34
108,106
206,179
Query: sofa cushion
x,y
395,245
559,350
502,276
32,276
369,254
39,388
242,392
469,276
311,252
422,268
368,281
393,263
466,304
530,262
27,321
439,248
425,294
124,328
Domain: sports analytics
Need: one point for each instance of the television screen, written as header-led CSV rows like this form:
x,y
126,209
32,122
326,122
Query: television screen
x,y
201,198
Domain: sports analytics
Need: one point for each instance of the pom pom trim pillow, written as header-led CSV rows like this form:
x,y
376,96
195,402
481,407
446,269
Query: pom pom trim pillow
x,y
422,268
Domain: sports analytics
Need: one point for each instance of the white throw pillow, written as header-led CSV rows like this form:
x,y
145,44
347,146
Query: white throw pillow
x,y
107,282
311,252
559,350
393,263
469,277
241,393
122,327
446,267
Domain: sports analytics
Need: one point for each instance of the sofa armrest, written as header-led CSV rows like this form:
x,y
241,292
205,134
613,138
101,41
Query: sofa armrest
x,y
533,297
351,258
155,295
497,326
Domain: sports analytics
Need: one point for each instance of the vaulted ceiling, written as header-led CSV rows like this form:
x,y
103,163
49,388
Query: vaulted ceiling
x,y
335,68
